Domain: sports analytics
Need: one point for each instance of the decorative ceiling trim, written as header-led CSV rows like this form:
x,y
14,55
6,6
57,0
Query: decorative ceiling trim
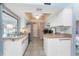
x,y
30,17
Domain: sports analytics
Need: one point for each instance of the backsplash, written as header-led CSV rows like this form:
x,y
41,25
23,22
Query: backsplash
x,y
62,29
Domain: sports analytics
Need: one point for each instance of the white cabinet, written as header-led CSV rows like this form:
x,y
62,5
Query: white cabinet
x,y
64,47
15,48
53,46
45,45
24,45
57,47
50,46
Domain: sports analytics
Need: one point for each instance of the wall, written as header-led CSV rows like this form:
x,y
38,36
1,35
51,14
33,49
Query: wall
x,y
22,22
68,30
64,18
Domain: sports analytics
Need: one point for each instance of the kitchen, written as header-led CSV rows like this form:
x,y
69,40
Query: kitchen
x,y
52,25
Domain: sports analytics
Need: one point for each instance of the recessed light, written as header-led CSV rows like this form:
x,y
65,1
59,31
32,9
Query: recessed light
x,y
39,9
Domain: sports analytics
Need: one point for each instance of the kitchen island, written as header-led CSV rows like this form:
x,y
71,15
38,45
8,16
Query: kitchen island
x,y
57,44
15,46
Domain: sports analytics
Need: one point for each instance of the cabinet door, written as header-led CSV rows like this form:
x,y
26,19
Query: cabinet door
x,y
45,45
52,47
64,47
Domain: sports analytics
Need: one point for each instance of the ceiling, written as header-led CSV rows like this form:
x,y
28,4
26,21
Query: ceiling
x,y
21,8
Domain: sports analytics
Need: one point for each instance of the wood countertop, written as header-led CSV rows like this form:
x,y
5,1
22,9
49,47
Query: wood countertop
x,y
58,35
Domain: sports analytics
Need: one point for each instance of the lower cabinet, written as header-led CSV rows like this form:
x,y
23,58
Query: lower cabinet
x,y
65,47
15,48
57,47
24,46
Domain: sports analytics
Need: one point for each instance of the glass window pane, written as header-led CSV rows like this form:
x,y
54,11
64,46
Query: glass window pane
x,y
10,25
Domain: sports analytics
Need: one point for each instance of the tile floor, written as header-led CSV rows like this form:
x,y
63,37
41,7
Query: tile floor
x,y
35,48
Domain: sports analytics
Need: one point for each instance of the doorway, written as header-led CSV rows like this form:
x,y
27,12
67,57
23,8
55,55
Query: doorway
x,y
35,30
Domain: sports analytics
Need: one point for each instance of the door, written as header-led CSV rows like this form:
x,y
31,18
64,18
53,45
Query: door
x,y
35,30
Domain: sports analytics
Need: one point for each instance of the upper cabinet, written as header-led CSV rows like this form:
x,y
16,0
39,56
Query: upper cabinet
x,y
63,18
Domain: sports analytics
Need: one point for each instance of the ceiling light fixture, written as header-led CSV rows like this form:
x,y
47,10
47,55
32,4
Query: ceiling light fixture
x,y
37,17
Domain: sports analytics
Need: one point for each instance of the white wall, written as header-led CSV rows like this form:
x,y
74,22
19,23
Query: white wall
x,y
64,18
22,22
68,30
